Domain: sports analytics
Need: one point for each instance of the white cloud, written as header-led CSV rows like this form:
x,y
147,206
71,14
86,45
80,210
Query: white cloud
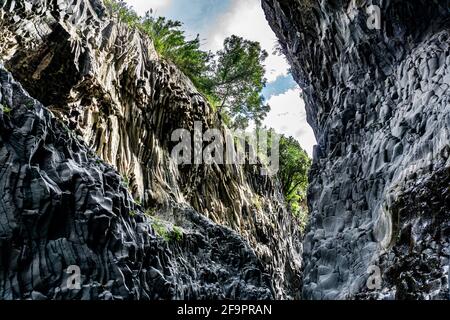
x,y
288,116
246,18
142,6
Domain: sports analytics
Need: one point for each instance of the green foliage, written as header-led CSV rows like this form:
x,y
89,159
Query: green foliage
x,y
5,109
231,80
173,235
293,173
294,166
29,104
300,212
160,229
125,181
123,12
257,202
150,212
177,234
237,80
169,40
213,101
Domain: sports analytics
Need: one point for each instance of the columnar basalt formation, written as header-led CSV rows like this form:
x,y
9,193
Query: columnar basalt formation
x,y
378,99
61,206
106,84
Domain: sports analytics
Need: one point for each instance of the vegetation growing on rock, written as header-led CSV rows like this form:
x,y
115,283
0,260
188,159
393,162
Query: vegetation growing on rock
x,y
231,80
169,234
131,99
5,109
294,168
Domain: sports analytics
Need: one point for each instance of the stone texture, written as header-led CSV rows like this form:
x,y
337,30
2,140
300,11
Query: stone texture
x,y
108,86
379,103
62,206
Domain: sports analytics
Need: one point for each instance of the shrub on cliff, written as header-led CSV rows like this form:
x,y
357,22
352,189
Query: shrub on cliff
x,y
170,42
168,38
294,166
293,173
231,80
123,12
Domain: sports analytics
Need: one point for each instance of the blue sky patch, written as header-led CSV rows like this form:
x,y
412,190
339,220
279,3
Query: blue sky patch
x,y
197,15
279,86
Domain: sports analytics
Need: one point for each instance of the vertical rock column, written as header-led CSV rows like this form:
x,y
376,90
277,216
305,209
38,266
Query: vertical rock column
x,y
378,99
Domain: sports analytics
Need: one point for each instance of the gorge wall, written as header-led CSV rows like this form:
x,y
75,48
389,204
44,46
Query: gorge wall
x,y
87,109
378,100
87,177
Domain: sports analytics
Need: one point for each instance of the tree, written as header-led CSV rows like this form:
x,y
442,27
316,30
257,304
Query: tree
x,y
232,80
294,167
238,79
171,43
168,39
293,173
123,12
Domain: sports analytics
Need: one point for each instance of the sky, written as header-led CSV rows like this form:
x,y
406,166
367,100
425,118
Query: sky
x,y
216,20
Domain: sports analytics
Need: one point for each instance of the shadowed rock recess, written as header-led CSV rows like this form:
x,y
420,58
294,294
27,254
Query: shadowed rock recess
x,y
379,103
86,176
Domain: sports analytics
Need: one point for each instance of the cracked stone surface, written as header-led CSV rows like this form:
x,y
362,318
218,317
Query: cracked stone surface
x,y
379,103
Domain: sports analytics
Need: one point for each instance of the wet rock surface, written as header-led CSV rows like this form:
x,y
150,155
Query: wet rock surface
x,y
107,85
379,103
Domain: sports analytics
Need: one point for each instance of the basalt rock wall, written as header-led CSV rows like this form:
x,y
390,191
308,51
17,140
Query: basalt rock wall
x,y
375,76
62,208
107,86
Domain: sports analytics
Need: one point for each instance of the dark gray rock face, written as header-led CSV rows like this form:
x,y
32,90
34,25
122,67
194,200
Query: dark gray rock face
x,y
110,88
379,103
61,206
